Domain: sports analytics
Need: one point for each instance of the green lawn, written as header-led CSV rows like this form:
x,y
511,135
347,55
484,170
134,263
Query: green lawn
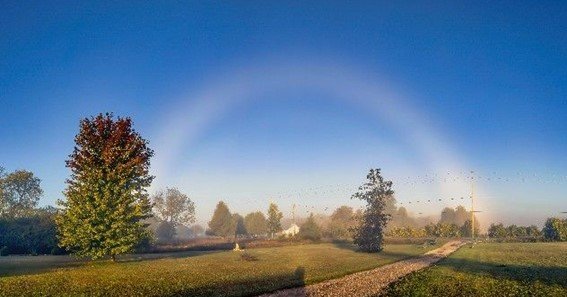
x,y
192,273
494,269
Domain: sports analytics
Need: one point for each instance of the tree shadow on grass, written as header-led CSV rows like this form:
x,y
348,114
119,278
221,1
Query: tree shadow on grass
x,y
254,286
550,275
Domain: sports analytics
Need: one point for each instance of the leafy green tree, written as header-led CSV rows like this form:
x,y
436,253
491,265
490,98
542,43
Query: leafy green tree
x,y
555,229
310,229
369,235
497,231
106,193
19,193
238,227
274,219
256,224
33,234
174,207
221,223
342,222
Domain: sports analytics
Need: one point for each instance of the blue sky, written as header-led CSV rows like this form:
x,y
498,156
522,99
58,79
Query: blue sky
x,y
491,78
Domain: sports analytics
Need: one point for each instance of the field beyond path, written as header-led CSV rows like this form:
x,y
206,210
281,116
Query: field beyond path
x,y
372,282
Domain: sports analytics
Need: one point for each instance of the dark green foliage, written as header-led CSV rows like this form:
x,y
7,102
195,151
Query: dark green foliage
x,y
555,229
369,235
221,223
274,219
106,194
32,234
310,230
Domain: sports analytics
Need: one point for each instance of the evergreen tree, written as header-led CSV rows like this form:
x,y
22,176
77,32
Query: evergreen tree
x,y
369,235
274,219
310,229
221,223
106,193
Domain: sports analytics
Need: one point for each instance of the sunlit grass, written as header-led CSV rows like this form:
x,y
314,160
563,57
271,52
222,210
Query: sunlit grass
x,y
496,269
204,274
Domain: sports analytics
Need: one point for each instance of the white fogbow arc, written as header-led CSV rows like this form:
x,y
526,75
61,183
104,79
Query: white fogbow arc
x,y
203,107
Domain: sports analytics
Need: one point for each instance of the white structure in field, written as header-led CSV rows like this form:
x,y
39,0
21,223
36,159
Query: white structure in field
x,y
291,231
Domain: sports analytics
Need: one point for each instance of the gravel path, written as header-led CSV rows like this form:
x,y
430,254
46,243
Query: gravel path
x,y
370,283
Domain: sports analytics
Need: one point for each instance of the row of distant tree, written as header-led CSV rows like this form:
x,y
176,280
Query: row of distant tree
x,y
107,209
258,225
554,229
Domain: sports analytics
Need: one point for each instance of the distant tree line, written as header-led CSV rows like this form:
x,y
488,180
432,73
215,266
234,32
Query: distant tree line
x,y
107,210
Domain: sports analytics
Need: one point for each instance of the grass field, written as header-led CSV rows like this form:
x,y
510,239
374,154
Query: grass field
x,y
493,269
192,273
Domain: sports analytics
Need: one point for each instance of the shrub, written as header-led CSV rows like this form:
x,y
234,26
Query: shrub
x,y
4,251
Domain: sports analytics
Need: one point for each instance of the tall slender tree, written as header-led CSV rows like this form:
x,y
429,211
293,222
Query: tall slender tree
x,y
375,192
106,192
274,219
221,223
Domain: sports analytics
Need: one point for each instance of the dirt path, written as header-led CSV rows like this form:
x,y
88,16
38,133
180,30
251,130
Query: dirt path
x,y
370,283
